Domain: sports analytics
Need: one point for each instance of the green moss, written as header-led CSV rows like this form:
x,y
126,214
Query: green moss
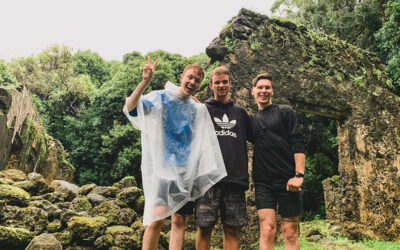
x,y
109,210
54,227
116,230
14,238
6,181
230,44
64,238
14,195
87,228
358,81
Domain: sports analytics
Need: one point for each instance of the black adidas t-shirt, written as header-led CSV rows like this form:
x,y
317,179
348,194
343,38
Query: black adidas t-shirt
x,y
232,126
277,138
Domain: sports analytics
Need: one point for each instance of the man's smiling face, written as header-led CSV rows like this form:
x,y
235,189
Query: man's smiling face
x,y
263,92
190,82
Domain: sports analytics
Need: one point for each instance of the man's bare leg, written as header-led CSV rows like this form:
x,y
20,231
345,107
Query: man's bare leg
x,y
177,232
231,237
203,238
267,228
290,232
152,235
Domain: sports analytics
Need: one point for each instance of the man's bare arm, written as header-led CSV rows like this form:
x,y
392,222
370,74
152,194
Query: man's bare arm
x,y
148,72
294,184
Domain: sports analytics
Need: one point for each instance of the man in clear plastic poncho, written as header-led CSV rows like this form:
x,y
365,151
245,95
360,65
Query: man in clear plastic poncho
x,y
181,157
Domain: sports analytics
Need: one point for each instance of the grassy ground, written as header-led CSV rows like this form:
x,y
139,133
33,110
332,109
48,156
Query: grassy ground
x,y
328,237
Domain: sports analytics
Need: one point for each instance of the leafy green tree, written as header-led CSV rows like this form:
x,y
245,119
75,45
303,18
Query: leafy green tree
x,y
389,42
5,74
91,64
322,161
368,24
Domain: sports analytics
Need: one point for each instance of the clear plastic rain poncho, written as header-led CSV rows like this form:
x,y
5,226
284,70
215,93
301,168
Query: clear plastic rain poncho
x,y
181,157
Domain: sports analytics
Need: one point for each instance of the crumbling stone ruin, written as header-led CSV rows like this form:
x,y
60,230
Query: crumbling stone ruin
x,y
24,145
319,74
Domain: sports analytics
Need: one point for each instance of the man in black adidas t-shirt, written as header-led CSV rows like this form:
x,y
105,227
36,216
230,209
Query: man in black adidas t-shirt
x,y
227,198
278,165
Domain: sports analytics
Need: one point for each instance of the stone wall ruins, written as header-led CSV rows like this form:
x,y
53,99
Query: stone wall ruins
x,y
319,74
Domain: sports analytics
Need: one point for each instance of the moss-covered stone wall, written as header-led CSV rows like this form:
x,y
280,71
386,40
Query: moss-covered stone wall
x,y
320,74
24,145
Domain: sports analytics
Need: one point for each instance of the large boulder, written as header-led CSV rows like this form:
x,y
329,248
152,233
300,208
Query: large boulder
x,y
13,174
44,242
67,188
87,229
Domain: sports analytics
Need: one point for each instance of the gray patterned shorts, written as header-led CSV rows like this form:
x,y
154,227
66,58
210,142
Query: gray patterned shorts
x,y
227,199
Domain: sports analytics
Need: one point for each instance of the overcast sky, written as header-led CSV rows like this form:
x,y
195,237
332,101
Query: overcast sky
x,y
113,28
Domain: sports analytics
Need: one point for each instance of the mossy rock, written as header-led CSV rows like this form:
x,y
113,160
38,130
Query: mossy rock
x,y
44,242
65,238
14,238
109,192
53,212
30,218
129,195
124,237
117,230
85,189
138,206
104,242
6,181
14,195
128,181
109,210
87,229
13,174
81,204
54,226
138,228
127,216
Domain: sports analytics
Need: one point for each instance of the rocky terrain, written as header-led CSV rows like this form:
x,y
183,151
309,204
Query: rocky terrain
x,y
36,215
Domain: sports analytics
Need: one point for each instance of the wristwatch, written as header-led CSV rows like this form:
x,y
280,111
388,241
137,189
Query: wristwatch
x,y
299,175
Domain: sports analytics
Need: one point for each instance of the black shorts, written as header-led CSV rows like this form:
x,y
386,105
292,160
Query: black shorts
x,y
269,195
187,209
227,199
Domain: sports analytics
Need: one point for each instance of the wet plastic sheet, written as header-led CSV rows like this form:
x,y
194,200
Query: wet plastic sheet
x,y
181,157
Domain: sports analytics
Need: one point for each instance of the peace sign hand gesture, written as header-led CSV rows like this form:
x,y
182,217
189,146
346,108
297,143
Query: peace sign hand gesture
x,y
148,70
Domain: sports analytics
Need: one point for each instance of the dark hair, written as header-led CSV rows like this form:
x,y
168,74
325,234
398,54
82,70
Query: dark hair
x,y
196,67
265,75
221,70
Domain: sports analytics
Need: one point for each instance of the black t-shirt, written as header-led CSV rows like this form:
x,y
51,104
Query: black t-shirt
x,y
277,138
232,126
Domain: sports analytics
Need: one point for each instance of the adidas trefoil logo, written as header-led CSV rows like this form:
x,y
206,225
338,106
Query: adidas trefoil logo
x,y
225,123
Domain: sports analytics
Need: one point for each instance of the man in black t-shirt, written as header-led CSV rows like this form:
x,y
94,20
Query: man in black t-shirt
x,y
227,197
278,165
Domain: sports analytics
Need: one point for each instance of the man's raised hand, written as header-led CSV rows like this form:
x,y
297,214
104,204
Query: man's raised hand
x,y
148,70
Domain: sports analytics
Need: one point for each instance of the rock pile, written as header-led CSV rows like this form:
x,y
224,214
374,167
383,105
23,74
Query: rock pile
x,y
35,215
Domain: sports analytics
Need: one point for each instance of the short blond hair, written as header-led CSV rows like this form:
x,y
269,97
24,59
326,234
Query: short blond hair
x,y
265,75
221,70
195,67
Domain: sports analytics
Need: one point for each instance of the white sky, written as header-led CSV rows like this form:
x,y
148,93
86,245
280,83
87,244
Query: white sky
x,y
113,28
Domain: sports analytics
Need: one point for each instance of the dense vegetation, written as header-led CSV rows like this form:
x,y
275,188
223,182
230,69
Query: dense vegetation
x,y
373,25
